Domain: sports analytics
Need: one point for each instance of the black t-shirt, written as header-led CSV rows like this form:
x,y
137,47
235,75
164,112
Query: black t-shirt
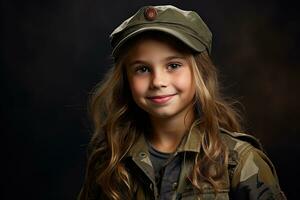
x,y
158,158
167,168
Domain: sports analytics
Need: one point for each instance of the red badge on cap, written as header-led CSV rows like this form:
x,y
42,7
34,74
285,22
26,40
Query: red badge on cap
x,y
150,13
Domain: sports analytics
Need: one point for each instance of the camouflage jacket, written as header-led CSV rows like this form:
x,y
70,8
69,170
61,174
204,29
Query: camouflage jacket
x,y
250,175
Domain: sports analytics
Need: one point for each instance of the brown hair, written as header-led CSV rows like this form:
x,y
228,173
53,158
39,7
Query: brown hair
x,y
216,112
116,129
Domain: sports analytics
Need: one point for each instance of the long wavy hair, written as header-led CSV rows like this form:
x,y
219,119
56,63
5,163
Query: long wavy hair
x,y
116,127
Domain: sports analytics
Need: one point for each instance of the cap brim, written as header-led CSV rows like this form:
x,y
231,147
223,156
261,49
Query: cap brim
x,y
178,33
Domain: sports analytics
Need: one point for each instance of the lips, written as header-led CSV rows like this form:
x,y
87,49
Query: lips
x,y
161,99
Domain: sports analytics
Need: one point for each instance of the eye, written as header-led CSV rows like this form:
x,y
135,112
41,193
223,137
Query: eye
x,y
174,66
142,69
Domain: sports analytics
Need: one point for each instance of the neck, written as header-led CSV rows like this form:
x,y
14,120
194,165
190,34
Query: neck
x,y
168,132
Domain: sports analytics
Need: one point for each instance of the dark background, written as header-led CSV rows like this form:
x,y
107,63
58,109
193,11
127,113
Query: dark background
x,y
54,52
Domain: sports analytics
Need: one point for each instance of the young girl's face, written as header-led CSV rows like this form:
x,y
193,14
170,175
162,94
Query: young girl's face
x,y
160,78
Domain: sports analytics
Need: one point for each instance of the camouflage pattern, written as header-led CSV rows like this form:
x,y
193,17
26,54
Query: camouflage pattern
x,y
250,175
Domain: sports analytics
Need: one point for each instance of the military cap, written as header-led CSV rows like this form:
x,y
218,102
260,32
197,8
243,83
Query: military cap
x,y
187,26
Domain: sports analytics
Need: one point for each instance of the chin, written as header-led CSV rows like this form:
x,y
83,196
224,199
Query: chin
x,y
162,115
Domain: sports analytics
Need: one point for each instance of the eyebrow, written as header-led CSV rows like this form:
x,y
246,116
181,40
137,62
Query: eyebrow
x,y
134,62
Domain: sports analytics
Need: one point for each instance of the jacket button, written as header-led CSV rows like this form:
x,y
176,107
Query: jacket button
x,y
151,186
174,185
143,154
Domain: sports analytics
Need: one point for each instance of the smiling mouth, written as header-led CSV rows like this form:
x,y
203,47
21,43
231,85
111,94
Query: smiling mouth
x,y
161,99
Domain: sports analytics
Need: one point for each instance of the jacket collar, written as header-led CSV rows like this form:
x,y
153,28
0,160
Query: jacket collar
x,y
191,142
139,146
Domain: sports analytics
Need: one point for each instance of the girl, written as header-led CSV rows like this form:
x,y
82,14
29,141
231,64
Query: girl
x,y
162,129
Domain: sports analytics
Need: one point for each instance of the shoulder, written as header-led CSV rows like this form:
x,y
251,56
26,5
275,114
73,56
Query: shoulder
x,y
241,147
235,140
251,167
243,150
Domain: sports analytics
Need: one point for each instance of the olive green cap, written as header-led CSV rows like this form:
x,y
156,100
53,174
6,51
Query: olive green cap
x,y
187,26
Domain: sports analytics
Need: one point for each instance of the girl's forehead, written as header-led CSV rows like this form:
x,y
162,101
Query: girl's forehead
x,y
153,49
159,41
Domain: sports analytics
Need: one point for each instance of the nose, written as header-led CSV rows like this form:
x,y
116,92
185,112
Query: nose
x,y
159,79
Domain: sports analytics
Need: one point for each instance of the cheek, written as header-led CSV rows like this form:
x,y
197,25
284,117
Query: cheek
x,y
184,82
138,86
